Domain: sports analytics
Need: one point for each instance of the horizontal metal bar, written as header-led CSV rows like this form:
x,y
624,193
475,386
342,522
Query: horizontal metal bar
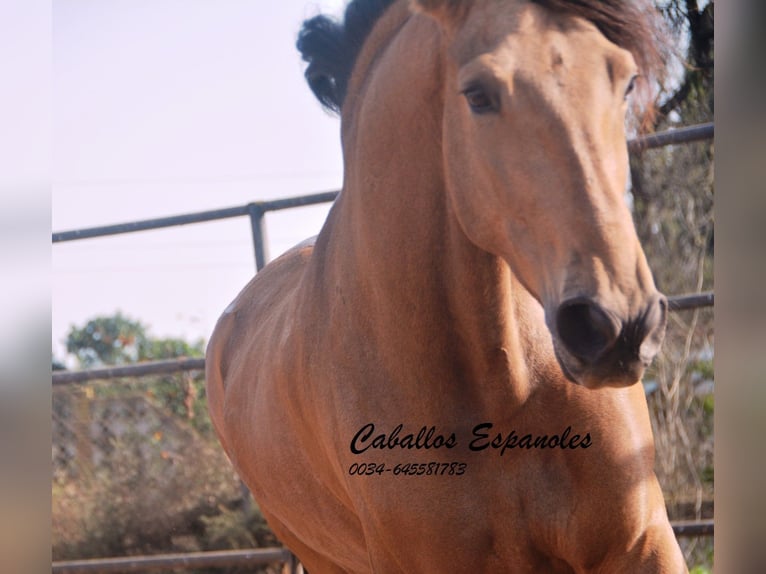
x,y
677,303
147,224
675,136
684,302
137,370
300,201
254,557
690,528
166,561
198,217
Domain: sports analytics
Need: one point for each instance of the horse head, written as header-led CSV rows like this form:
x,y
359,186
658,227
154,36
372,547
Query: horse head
x,y
536,167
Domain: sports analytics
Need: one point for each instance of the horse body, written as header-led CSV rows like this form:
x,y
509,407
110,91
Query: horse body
x,y
421,324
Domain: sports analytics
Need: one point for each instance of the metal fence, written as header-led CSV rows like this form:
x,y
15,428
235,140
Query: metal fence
x,y
256,211
249,557
218,559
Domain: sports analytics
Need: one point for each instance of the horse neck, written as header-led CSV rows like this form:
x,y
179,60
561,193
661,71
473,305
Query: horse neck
x,y
408,271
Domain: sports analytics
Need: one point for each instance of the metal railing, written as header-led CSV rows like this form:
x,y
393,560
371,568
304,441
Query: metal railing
x,y
255,210
219,559
135,370
683,135
262,556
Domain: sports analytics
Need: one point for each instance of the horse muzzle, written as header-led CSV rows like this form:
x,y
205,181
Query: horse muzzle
x,y
597,347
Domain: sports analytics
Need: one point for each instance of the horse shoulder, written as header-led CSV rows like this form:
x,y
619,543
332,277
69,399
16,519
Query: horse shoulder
x,y
237,357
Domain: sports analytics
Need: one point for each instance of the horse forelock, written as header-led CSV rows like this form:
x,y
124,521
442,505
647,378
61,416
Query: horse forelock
x,y
331,48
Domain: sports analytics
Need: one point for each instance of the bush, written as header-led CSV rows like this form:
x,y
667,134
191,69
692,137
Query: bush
x,y
132,477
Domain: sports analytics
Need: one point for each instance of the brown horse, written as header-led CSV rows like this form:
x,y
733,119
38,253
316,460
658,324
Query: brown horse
x,y
445,381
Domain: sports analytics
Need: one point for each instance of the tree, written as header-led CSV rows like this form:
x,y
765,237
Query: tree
x,y
107,341
119,340
686,16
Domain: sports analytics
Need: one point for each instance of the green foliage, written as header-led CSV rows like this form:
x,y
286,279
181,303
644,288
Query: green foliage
x,y
157,349
119,340
704,565
703,367
708,405
107,341
707,474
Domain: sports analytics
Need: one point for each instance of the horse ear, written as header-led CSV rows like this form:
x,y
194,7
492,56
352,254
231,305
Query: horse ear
x,y
449,12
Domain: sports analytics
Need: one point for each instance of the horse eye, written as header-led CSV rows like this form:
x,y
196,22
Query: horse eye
x,y
631,85
478,100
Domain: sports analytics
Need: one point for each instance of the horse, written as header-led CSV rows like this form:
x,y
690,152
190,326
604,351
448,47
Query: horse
x,y
446,379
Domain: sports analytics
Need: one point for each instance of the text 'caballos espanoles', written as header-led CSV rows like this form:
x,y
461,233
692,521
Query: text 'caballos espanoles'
x,y
482,437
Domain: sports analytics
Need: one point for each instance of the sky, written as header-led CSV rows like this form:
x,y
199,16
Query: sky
x,y
165,107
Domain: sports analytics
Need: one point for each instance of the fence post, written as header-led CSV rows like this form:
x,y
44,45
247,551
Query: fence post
x,y
257,223
293,566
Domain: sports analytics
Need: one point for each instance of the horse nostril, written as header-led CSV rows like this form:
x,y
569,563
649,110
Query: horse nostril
x,y
585,329
653,328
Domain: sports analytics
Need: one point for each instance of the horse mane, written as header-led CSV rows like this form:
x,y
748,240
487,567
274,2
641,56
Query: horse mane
x,y
331,48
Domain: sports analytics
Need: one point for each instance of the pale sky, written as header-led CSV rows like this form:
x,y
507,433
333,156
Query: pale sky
x,y
164,107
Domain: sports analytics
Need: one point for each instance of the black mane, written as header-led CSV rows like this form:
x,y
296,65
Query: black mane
x,y
331,48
